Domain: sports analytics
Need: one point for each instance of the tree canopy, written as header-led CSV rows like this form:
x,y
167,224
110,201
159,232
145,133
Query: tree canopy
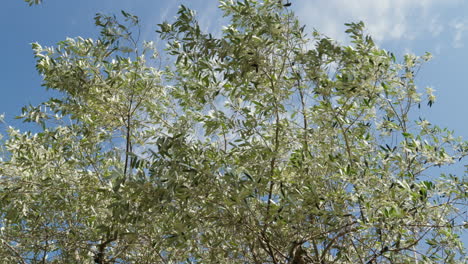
x,y
265,144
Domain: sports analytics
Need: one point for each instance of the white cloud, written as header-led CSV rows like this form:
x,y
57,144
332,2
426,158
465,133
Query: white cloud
x,y
459,26
385,20
436,26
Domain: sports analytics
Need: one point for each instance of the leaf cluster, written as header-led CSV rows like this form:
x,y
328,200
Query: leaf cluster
x,y
262,145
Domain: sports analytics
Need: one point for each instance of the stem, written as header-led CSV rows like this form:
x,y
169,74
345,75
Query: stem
x,y
100,257
44,255
128,142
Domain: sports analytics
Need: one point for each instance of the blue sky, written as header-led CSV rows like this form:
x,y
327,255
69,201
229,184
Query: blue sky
x,y
400,26
416,26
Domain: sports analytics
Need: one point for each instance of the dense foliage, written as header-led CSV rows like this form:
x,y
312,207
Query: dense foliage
x,y
262,145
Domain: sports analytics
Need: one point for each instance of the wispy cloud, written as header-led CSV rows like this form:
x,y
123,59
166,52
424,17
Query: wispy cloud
x,y
460,26
385,20
436,26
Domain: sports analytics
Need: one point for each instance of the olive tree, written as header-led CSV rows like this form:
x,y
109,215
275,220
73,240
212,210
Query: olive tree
x,y
267,144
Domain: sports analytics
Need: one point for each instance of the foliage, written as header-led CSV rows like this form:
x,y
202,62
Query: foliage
x,y
261,146
33,2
